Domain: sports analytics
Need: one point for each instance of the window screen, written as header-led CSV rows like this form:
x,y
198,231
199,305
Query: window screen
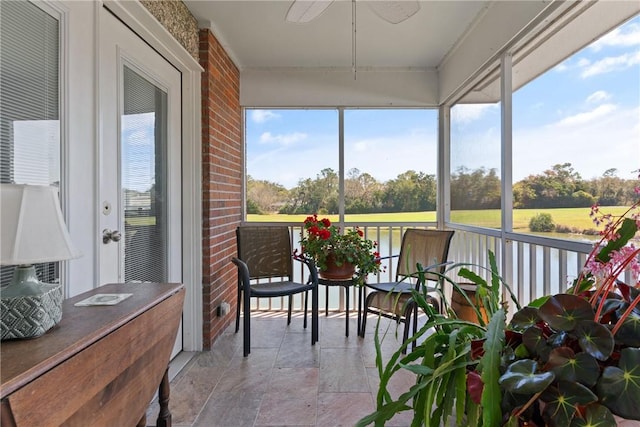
x,y
29,104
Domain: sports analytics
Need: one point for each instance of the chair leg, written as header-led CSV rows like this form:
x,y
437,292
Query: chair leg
x,y
306,302
415,322
365,311
435,302
408,314
246,303
238,303
289,310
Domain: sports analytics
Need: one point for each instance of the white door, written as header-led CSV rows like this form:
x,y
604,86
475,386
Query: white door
x,y
140,118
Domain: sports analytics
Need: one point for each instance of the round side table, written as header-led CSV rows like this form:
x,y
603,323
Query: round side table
x,y
346,284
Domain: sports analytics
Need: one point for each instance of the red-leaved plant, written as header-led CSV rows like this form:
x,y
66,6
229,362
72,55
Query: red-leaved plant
x,y
573,359
566,360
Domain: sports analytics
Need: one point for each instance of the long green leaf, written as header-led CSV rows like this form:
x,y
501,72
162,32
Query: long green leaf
x,y
470,275
626,231
495,283
461,395
490,365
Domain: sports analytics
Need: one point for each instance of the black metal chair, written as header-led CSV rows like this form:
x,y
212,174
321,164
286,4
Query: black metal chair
x,y
265,270
393,299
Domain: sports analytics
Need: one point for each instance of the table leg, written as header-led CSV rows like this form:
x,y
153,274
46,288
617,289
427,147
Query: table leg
x,y
360,289
326,300
346,288
314,315
6,416
164,417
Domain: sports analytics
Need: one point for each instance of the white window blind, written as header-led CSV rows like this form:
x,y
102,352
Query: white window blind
x,y
29,103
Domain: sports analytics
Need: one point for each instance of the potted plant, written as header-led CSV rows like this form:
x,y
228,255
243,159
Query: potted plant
x,y
328,247
573,359
442,360
570,360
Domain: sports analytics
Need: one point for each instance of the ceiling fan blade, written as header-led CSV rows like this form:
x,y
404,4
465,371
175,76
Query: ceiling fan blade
x,y
395,11
303,11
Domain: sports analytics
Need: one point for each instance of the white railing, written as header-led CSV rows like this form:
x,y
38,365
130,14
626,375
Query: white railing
x,y
533,266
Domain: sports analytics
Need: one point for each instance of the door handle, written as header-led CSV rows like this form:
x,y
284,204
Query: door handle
x,y
110,236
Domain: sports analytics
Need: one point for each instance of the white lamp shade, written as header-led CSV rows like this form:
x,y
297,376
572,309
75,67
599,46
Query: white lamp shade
x,y
32,229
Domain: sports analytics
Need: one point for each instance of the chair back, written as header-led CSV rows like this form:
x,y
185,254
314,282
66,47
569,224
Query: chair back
x,y
266,250
427,247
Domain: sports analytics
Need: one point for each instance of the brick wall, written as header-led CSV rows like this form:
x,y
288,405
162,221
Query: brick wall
x,y
222,175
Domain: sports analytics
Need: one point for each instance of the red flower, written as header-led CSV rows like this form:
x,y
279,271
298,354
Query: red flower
x,y
326,222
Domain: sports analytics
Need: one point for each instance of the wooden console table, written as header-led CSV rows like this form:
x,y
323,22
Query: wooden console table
x,y
100,366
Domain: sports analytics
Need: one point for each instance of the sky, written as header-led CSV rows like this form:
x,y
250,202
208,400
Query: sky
x,y
585,110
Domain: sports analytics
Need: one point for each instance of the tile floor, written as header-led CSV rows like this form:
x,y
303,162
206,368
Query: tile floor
x,y
285,381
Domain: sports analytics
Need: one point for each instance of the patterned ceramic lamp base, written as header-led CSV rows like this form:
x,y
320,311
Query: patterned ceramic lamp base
x,y
29,316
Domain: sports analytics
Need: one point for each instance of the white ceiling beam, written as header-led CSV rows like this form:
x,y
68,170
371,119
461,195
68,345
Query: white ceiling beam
x,y
481,47
305,87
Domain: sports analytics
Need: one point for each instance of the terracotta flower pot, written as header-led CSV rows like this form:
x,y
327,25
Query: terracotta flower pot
x,y
335,272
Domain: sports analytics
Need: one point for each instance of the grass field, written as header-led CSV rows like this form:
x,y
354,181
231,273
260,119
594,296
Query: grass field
x,y
570,217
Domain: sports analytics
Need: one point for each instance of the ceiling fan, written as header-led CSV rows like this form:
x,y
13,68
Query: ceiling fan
x,y
394,12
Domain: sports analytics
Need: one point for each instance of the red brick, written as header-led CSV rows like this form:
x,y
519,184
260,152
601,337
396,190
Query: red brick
x,y
222,180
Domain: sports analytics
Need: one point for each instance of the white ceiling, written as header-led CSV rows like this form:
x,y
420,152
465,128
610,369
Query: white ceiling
x,y
256,34
433,57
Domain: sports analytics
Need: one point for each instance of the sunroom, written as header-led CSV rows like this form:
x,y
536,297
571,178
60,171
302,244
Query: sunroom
x,y
481,100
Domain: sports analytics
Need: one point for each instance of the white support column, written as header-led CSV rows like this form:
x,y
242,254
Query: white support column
x,y
506,163
341,172
443,174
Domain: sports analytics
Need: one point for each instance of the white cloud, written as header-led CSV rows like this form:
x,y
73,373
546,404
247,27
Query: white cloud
x,y
588,116
583,62
592,147
598,96
382,157
611,63
261,116
283,139
620,37
466,113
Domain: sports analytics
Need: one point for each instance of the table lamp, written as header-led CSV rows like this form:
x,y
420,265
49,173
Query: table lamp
x,y
32,231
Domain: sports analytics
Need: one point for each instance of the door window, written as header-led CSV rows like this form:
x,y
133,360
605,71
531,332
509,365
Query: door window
x,y
144,175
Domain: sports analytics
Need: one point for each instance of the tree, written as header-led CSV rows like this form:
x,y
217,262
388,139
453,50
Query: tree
x,y
478,189
362,192
319,195
553,188
411,191
265,196
609,189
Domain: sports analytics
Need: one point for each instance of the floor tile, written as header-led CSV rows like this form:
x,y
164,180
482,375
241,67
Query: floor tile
x,y
285,381
343,409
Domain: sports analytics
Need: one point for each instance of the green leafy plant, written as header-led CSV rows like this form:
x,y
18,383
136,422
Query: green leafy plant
x,y
443,360
542,222
320,240
575,357
566,360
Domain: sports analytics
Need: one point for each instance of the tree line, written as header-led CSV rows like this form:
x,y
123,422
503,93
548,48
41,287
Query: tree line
x,y
411,191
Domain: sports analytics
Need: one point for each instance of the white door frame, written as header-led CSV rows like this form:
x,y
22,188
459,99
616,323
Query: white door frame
x,y
138,18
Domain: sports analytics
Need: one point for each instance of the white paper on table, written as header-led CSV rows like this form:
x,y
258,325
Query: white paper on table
x,y
102,299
